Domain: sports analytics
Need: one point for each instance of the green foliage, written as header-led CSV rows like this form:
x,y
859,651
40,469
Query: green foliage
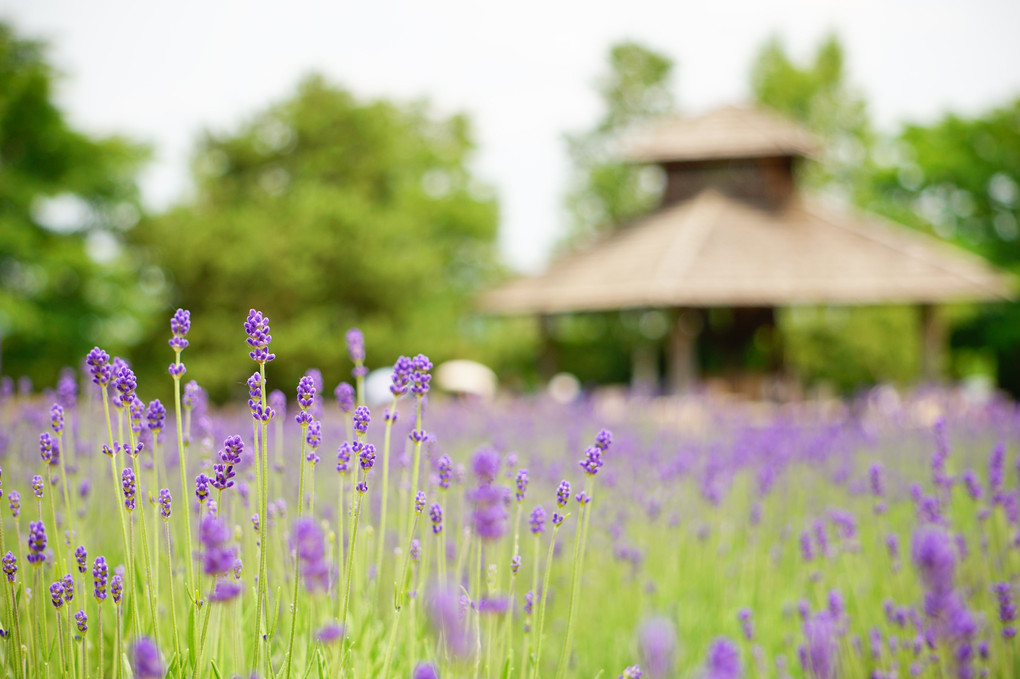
x,y
852,347
605,192
819,96
326,212
61,191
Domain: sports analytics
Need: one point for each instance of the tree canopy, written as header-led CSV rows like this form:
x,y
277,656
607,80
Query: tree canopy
x,y
605,192
327,212
65,197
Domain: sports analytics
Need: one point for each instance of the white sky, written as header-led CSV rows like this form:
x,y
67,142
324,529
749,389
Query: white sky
x,y
523,70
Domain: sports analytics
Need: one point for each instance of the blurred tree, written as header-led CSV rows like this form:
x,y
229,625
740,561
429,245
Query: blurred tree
x,y
65,283
326,212
960,178
818,343
605,192
819,96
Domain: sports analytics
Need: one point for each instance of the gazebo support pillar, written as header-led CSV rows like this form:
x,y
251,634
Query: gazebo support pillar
x,y
682,369
933,340
644,368
547,350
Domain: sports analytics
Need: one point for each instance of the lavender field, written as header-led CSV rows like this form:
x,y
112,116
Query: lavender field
x,y
304,534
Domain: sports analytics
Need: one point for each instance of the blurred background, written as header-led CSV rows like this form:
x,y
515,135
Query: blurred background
x,y
382,164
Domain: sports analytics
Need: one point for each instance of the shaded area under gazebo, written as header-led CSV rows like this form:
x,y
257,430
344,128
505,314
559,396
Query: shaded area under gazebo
x,y
733,233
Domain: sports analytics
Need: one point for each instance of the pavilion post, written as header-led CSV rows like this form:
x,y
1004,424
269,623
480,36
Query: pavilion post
x,y
933,340
547,349
682,369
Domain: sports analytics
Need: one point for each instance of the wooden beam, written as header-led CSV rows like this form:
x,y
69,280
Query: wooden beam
x,y
683,351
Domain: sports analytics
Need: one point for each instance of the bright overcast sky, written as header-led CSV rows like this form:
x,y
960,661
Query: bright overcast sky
x,y
160,72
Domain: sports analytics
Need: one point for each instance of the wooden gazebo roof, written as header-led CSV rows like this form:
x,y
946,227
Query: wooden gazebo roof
x,y
714,250
730,132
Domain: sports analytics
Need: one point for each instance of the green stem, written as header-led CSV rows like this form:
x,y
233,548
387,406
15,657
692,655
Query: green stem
x,y
385,491
541,613
182,465
297,570
360,500
63,480
575,582
53,516
398,594
99,633
173,609
145,546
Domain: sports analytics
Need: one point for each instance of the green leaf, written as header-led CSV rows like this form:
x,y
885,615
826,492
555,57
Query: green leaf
x,y
215,668
507,669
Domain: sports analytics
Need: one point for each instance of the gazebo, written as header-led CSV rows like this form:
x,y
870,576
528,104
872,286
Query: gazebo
x,y
733,232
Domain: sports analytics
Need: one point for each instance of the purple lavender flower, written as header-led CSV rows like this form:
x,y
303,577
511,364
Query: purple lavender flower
x,y
314,436
933,555
420,377
875,475
129,488
57,594
344,397
415,550
10,565
592,461
343,457
485,465
225,590
156,416
419,501
744,616
356,348
401,377
657,641
202,487
515,564
306,398
362,417
117,588
125,383
444,469
145,659
330,633
449,621
36,543
81,557
256,326
558,519
68,582
309,544
436,514
57,418
82,621
1007,609
366,455
14,499
46,446
837,607
973,485
164,503
632,672
819,655
563,494
180,324
37,486
723,660
522,484
537,520
100,571
67,389
996,469
217,556
425,670
97,361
